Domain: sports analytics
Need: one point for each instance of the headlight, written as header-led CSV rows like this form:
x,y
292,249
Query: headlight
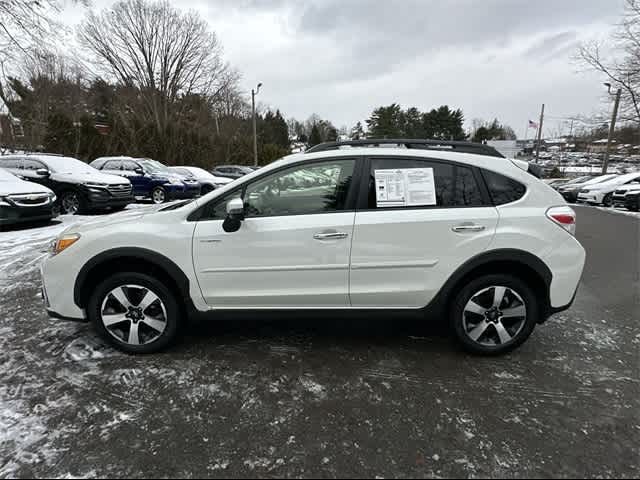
x,y
64,242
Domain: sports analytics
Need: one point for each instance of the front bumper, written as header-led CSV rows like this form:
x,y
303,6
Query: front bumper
x,y
56,294
11,215
570,196
189,191
102,200
588,198
619,200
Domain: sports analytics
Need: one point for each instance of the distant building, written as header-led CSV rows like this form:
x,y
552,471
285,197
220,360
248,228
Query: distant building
x,y
600,146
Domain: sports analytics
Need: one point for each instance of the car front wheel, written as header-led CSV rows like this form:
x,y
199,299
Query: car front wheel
x,y
494,314
71,203
158,195
135,313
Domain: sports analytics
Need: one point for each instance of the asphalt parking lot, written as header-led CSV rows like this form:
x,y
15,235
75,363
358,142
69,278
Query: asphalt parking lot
x,y
327,397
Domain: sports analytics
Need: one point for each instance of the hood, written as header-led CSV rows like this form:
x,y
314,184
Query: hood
x,y
17,186
90,177
132,215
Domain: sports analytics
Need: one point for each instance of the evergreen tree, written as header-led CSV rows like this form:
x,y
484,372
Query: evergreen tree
x,y
315,138
357,132
386,122
60,135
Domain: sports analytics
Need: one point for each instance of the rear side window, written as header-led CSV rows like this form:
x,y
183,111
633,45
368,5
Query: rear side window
x,y
503,189
14,163
112,165
455,185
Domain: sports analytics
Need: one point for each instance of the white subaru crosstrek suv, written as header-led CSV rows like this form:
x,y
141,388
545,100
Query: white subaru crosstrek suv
x,y
468,238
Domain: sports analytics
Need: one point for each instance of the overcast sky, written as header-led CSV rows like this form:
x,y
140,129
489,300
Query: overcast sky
x,y
342,58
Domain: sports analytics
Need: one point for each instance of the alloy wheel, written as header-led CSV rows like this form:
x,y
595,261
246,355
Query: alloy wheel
x,y
134,315
70,204
494,316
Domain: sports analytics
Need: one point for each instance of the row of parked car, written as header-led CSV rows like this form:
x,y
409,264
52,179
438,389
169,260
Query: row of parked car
x,y
39,187
608,190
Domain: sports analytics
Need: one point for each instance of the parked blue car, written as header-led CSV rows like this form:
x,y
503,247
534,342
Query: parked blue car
x,y
150,179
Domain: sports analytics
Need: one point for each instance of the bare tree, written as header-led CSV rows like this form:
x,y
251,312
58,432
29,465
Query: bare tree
x,y
155,48
622,65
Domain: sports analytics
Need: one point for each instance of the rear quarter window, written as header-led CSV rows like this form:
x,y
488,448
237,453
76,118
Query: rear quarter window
x,y
503,189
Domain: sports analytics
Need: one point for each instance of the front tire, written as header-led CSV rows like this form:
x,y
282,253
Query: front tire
x,y
72,203
135,313
494,314
607,201
158,195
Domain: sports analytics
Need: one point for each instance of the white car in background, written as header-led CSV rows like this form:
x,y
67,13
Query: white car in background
x,y
208,181
602,193
22,201
462,236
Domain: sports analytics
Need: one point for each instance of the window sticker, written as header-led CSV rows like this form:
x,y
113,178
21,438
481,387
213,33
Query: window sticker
x,y
408,187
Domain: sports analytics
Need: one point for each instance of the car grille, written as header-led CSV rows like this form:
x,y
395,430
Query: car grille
x,y
122,190
30,200
621,192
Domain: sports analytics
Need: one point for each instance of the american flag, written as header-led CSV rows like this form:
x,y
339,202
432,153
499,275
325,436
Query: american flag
x,y
533,124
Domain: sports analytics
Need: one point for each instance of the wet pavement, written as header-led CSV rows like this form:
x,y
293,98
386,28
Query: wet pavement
x,y
386,396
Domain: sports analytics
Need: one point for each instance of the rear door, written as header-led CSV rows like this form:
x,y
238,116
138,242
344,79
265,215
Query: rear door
x,y
417,222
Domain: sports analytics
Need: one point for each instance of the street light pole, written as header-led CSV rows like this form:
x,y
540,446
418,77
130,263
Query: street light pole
x,y
612,128
255,132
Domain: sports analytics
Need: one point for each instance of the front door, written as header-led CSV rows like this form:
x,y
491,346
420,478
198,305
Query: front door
x,y
406,244
291,251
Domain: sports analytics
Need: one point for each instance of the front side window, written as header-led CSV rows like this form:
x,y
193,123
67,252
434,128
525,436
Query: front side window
x,y
13,163
129,166
301,190
453,185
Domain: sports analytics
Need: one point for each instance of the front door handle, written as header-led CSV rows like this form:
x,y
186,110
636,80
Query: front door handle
x,y
331,236
466,228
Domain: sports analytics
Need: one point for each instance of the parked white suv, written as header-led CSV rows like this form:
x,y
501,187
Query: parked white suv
x,y
471,239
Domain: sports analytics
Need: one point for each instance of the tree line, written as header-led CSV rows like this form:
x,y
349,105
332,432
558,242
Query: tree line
x,y
150,80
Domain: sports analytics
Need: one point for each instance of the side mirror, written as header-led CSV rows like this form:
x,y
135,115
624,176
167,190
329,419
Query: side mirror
x,y
235,215
43,172
139,170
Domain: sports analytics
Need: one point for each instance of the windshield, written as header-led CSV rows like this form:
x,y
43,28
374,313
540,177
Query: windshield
x,y
152,166
6,176
67,165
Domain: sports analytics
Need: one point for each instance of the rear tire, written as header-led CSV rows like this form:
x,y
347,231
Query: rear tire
x,y
494,314
135,313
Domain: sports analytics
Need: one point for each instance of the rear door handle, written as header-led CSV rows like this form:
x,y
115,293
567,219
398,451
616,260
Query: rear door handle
x,y
331,236
469,228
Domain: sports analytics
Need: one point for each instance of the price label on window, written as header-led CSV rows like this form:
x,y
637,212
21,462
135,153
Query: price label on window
x,y
407,187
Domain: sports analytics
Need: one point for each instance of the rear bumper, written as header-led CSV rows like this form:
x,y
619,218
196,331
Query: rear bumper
x,y
566,262
12,215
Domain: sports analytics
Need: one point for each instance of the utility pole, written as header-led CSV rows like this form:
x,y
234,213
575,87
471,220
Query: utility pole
x,y
612,128
255,132
539,134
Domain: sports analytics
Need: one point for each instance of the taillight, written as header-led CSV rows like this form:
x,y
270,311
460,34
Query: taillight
x,y
563,216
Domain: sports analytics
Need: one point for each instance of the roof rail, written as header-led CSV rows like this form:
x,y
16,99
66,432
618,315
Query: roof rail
x,y
447,145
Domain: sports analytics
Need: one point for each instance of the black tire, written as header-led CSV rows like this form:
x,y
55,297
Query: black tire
x,y
607,201
118,333
72,203
159,195
462,321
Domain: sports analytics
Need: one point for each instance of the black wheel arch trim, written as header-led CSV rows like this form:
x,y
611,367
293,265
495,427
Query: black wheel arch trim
x,y
438,306
164,263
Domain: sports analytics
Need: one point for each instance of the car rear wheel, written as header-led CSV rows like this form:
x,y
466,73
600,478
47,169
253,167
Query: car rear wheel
x,y
494,314
158,195
135,313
